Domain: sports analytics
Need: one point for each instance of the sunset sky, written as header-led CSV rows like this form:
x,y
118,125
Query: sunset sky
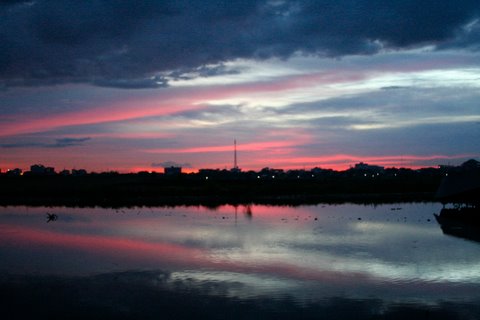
x,y
138,85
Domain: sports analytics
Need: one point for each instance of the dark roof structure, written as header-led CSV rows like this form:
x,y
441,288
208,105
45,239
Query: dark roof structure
x,y
460,187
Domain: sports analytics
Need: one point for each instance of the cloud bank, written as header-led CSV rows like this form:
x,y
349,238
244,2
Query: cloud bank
x,y
142,44
59,143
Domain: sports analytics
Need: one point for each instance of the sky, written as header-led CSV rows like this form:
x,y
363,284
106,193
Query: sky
x,y
139,85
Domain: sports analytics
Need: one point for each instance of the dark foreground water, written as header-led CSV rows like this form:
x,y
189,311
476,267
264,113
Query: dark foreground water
x,y
320,262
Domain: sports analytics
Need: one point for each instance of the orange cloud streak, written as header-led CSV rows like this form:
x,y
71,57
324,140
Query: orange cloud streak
x,y
162,105
117,111
185,99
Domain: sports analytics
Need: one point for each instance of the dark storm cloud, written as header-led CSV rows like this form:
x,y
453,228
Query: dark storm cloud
x,y
59,143
468,36
126,44
10,2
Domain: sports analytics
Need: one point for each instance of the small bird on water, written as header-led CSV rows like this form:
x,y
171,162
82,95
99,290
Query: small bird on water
x,y
51,217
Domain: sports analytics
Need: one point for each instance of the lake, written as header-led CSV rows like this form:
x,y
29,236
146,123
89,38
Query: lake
x,y
389,261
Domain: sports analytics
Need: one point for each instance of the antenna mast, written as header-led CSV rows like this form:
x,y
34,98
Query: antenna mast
x,y
235,154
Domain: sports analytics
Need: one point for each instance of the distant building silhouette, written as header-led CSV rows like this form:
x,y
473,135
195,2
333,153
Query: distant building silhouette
x,y
270,173
367,167
79,172
64,172
38,169
14,172
172,171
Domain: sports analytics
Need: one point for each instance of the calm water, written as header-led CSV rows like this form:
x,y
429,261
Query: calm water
x,y
332,262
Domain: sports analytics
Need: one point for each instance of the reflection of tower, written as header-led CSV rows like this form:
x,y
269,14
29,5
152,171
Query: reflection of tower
x,y
248,212
236,207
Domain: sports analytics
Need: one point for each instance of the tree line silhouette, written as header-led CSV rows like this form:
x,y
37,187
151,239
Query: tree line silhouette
x,y
361,184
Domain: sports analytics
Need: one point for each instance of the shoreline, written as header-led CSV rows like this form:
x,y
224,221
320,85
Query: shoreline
x,y
151,190
216,201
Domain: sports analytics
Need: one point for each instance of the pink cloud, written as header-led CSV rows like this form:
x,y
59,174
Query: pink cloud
x,y
177,100
254,146
124,135
112,112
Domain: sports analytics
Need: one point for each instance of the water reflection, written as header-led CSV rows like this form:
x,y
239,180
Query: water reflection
x,y
371,260
153,295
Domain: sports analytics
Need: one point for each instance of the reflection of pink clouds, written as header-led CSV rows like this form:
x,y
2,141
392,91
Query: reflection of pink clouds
x,y
144,254
128,248
164,252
